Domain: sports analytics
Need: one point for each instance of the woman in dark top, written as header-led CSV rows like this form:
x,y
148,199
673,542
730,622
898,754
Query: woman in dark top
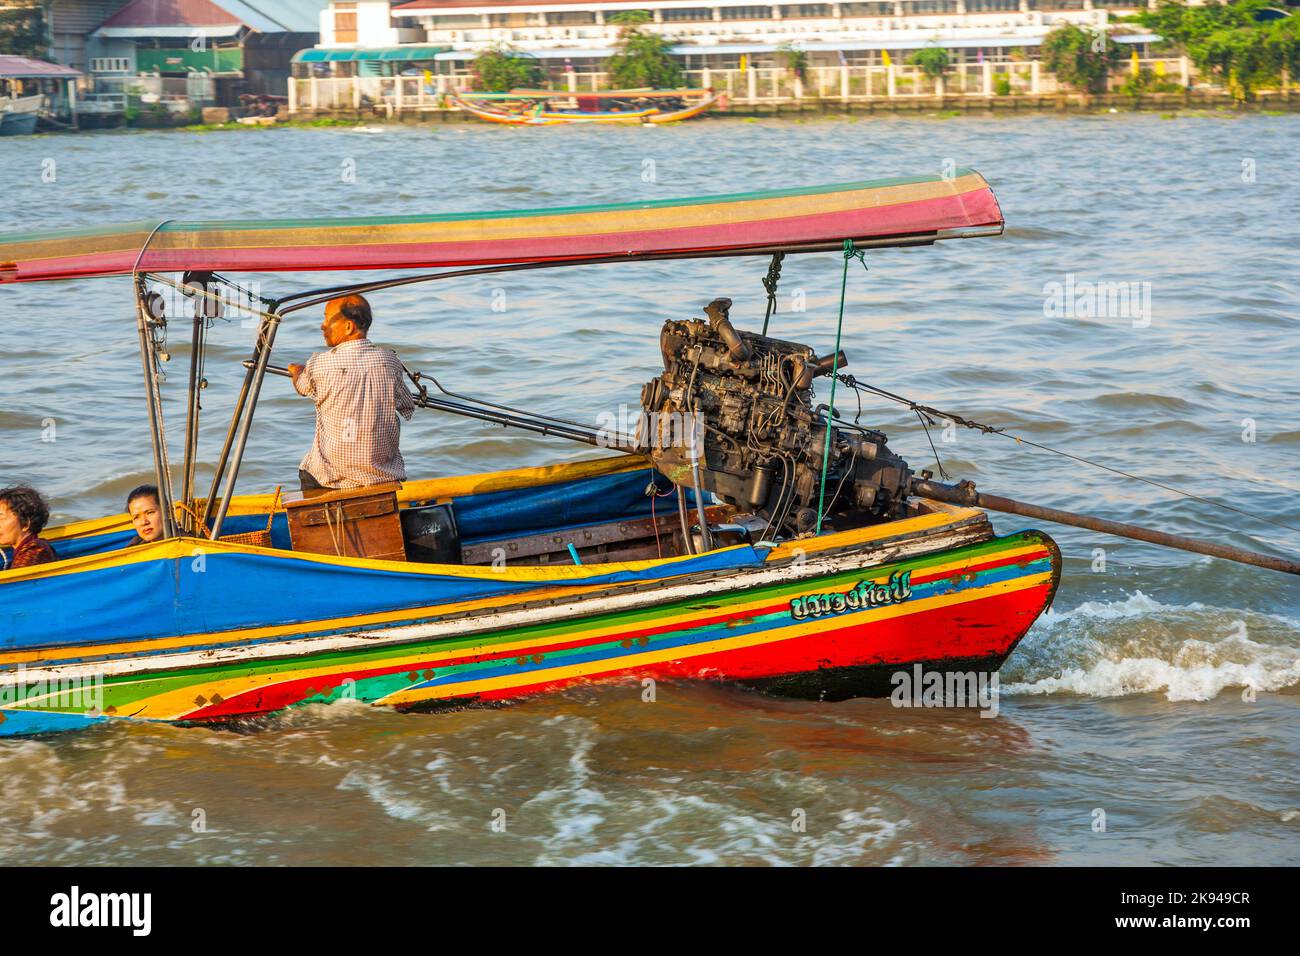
x,y
23,513
146,515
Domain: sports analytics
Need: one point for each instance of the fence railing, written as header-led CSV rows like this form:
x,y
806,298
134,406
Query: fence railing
x,y
755,86
174,92
102,103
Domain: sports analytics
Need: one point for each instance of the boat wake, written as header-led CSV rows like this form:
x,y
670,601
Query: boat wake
x,y
1141,646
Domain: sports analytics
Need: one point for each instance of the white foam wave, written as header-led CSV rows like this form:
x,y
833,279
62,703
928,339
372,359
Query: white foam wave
x,y
1138,645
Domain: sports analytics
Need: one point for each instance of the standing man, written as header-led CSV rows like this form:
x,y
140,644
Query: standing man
x,y
359,390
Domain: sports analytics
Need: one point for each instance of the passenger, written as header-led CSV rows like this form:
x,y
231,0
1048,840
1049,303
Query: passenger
x,y
146,514
23,513
359,390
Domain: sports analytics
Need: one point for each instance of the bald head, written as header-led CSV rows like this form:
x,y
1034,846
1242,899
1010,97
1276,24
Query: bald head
x,y
347,317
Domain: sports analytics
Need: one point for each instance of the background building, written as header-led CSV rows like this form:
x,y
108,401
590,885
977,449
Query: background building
x,y
713,34
210,50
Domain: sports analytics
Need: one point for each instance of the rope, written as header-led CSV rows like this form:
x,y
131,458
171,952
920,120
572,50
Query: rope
x,y
335,536
653,491
849,253
769,283
926,411
926,428
275,503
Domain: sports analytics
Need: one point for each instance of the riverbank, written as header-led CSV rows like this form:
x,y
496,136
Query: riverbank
x,y
1166,104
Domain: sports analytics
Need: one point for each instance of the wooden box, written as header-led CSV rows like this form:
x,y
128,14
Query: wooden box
x,y
349,522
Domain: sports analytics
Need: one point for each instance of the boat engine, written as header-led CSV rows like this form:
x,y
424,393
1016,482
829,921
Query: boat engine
x,y
739,406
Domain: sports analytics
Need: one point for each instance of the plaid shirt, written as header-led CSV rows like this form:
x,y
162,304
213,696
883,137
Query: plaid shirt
x,y
359,390
32,551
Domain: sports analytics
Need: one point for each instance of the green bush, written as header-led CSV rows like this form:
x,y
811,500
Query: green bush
x,y
642,59
932,60
1001,84
502,68
1082,59
1147,82
794,59
629,18
1227,41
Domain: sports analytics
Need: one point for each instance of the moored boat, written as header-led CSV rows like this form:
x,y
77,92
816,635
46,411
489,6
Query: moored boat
x,y
19,115
539,107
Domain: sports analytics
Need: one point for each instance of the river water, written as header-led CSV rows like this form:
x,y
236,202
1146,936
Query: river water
x,y
1158,697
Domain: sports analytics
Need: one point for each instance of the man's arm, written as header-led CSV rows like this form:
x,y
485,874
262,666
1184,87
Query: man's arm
x,y
303,382
405,404
401,394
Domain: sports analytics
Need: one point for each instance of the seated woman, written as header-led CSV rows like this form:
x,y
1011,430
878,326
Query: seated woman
x,y
23,513
146,514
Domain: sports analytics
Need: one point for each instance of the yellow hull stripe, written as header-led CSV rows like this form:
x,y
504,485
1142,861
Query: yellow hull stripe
x,y
432,489
189,548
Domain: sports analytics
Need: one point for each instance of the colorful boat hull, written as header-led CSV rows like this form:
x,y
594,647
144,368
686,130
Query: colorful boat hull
x,y
825,618
539,116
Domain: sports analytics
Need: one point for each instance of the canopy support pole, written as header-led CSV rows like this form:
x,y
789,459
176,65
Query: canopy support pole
x,y
198,343
153,401
253,387
323,295
207,299
236,415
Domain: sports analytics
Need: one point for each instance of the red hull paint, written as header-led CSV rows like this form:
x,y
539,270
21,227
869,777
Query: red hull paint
x,y
278,696
988,628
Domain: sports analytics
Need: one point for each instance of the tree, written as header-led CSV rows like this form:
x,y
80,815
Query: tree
x,y
1183,26
502,68
1230,41
23,29
795,59
931,60
1082,59
643,58
629,18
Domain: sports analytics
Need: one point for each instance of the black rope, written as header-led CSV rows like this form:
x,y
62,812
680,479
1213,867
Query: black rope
x,y
769,283
928,410
926,428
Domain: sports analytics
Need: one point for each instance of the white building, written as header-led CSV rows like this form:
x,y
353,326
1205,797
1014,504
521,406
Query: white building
x,y
707,33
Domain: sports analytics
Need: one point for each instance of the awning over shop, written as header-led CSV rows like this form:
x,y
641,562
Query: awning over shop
x,y
382,54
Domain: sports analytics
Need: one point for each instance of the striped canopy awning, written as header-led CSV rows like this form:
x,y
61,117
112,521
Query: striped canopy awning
x,y
388,54
891,212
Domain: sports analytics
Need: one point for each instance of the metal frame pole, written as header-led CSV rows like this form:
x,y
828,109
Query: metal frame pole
x,y
197,345
266,339
153,400
230,438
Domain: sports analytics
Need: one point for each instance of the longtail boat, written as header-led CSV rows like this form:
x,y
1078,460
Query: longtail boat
x,y
618,107
802,556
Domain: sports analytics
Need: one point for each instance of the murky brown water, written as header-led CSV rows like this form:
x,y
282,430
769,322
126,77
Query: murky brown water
x,y
1127,698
